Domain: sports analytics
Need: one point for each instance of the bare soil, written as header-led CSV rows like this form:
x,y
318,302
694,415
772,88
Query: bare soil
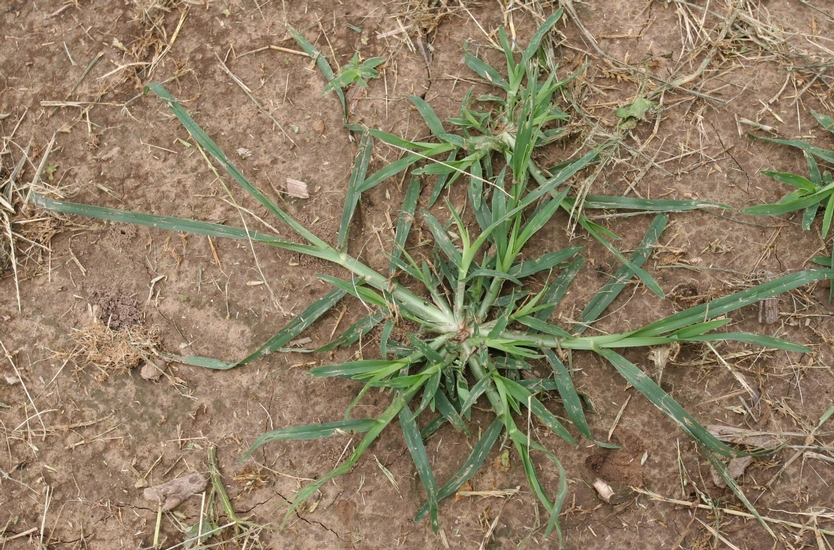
x,y
83,433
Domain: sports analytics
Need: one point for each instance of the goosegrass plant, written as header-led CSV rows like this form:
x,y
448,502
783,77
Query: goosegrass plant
x,y
460,322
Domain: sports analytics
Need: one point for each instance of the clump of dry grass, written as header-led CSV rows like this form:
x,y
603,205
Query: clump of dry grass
x,y
108,350
25,231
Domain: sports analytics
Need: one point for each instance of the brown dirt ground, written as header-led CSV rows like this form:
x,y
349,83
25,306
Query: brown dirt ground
x,y
82,434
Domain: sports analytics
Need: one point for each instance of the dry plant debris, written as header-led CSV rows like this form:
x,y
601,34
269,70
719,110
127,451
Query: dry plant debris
x,y
172,493
110,351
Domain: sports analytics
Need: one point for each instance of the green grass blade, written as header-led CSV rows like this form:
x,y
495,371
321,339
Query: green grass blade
x,y
556,290
404,221
357,179
731,482
486,71
790,206
429,391
474,393
295,327
722,306
152,220
355,287
472,464
445,407
559,501
648,205
442,180
808,216
536,40
373,432
540,217
550,420
597,231
542,326
546,261
476,196
492,273
442,239
322,64
794,180
756,339
414,441
365,368
826,219
567,391
663,401
609,292
206,143
825,121
390,170
428,114
311,431
824,154
424,147
356,331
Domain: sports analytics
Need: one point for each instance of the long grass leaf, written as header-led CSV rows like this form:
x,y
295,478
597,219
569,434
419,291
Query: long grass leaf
x,y
825,154
540,217
550,420
486,71
206,143
373,432
724,473
546,261
800,182
596,230
358,369
542,326
472,464
557,289
414,442
295,327
356,331
663,401
357,179
389,170
404,221
474,393
357,288
442,239
428,114
151,220
756,339
609,292
445,407
311,431
648,205
536,40
322,64
722,306
790,206
567,391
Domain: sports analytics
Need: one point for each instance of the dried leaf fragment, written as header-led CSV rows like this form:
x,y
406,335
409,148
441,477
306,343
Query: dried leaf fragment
x,y
769,307
741,436
736,468
152,370
297,189
169,495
